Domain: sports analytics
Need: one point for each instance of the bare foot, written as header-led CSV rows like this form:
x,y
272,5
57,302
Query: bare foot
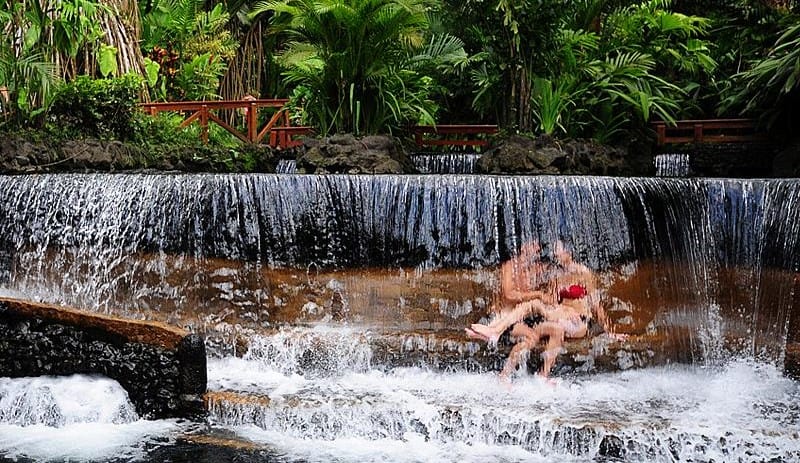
x,y
505,381
475,335
552,382
486,332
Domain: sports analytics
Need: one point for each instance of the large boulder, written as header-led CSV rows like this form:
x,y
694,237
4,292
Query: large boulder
x,y
19,155
544,155
346,154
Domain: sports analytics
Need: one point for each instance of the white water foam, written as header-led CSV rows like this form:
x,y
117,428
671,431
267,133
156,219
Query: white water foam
x,y
75,418
745,410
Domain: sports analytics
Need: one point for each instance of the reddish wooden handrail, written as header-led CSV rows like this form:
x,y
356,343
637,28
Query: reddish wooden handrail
x,y
279,125
708,131
453,129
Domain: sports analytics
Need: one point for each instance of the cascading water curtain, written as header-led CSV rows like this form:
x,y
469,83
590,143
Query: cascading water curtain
x,y
134,242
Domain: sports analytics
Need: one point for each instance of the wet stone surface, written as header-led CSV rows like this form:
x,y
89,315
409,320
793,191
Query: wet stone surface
x,y
150,374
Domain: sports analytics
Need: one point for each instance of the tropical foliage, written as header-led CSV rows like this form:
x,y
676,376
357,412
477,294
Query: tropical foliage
x,y
102,108
362,61
583,68
187,49
773,82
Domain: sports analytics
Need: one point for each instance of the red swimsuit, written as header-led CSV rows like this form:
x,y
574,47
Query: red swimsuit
x,y
572,292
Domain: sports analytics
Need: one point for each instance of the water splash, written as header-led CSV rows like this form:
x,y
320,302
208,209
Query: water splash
x,y
319,351
57,402
662,414
75,418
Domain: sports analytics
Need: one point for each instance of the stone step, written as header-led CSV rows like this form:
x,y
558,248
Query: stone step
x,y
639,417
328,350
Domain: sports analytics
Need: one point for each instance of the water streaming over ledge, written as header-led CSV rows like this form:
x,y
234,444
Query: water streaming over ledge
x,y
426,163
672,165
322,285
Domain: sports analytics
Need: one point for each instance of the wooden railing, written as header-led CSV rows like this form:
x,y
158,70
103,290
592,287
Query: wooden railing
x,y
708,131
467,135
203,112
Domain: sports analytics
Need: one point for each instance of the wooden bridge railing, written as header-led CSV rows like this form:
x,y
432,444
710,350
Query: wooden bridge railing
x,y
470,131
278,126
708,131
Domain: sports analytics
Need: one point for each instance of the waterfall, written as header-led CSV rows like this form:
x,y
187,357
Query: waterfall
x,y
672,165
136,240
333,309
286,166
445,163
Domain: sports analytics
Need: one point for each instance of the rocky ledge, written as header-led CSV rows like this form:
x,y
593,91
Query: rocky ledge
x,y
19,155
162,368
543,155
346,154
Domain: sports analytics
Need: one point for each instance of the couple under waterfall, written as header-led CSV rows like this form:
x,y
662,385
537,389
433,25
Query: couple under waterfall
x,y
537,300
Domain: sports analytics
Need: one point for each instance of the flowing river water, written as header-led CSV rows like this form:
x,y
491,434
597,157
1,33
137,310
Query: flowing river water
x,y
333,309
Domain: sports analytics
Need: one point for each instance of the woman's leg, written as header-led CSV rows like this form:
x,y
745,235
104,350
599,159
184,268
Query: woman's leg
x,y
518,352
555,339
495,328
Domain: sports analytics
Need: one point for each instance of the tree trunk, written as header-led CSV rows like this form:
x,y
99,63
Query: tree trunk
x,y
123,31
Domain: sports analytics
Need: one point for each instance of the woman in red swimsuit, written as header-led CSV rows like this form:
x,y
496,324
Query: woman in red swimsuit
x,y
565,316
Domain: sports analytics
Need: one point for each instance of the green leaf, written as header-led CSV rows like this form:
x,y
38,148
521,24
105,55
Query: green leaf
x,y
32,36
151,68
107,60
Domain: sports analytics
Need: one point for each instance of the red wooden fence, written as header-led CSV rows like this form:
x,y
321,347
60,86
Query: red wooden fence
x,y
708,131
278,126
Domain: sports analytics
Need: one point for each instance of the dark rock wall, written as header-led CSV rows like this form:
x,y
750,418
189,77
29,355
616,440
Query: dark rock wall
x,y
346,154
21,156
519,154
162,382
730,160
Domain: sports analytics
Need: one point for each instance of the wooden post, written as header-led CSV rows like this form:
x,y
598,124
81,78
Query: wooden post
x,y
698,133
285,136
661,133
204,123
252,122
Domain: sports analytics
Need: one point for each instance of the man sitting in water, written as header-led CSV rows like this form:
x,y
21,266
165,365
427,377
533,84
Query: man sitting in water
x,y
522,278
566,314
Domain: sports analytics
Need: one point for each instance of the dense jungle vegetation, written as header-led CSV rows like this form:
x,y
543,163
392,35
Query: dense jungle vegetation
x,y
598,69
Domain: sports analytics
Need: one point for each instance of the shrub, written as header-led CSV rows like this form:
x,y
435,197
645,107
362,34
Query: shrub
x,y
102,108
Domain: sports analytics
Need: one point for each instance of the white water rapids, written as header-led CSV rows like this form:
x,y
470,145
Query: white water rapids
x,y
743,411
